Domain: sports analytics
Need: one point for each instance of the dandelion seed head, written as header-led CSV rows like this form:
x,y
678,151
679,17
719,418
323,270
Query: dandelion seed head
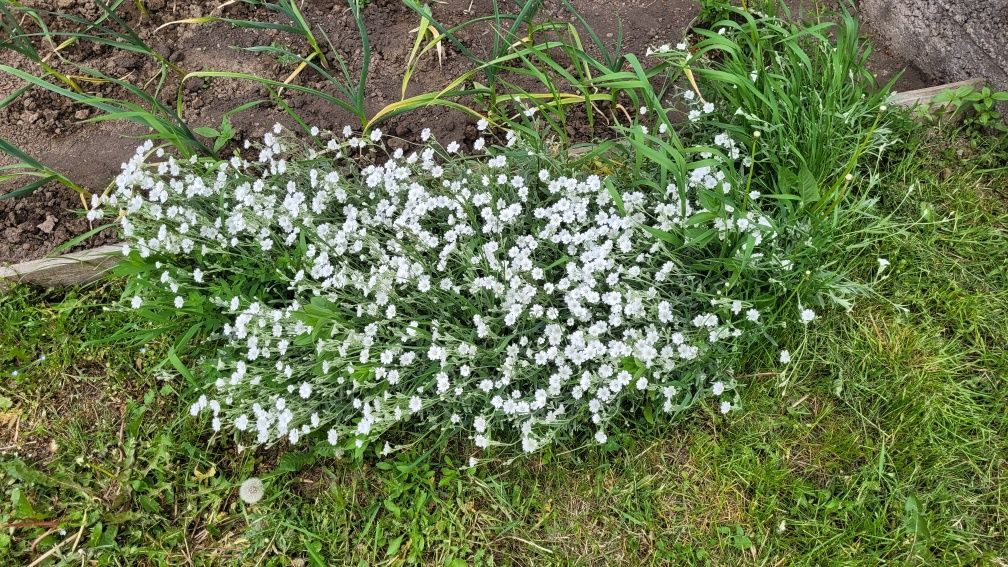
x,y
251,491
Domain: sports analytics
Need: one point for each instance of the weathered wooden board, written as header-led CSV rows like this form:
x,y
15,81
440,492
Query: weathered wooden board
x,y
66,270
925,96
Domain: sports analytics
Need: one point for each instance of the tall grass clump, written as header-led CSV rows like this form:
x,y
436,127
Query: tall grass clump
x,y
506,293
801,102
24,30
43,38
807,89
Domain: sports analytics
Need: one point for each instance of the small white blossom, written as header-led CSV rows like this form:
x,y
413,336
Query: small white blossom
x,y
807,315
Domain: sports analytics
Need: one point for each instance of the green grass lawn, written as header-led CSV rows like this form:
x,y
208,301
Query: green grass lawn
x,y
886,440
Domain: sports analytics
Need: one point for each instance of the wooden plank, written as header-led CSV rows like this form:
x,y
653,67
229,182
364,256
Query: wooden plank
x,y
924,97
66,270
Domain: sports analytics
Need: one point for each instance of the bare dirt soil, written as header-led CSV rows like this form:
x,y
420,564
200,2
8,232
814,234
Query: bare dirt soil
x,y
50,128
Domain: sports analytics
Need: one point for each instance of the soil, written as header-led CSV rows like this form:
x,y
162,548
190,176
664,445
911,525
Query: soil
x,y
50,128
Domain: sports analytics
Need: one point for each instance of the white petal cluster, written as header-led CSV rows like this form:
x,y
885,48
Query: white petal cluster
x,y
494,295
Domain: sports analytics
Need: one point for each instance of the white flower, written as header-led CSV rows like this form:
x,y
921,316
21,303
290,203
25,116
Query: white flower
x,y
136,302
726,407
785,357
882,264
179,301
482,124
376,135
441,278
807,315
425,134
251,491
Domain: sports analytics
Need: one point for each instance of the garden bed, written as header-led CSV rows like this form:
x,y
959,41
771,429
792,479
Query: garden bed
x,y
758,318
49,127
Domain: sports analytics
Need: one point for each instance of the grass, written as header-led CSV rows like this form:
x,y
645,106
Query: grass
x,y
885,442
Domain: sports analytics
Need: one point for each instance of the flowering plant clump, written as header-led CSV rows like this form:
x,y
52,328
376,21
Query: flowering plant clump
x,y
498,296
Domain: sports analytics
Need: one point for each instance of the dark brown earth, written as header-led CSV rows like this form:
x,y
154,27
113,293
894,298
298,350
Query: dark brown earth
x,y
50,128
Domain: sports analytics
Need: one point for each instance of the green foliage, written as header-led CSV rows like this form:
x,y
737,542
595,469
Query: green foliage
x,y
882,444
744,231
808,91
23,29
979,105
137,103
553,55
